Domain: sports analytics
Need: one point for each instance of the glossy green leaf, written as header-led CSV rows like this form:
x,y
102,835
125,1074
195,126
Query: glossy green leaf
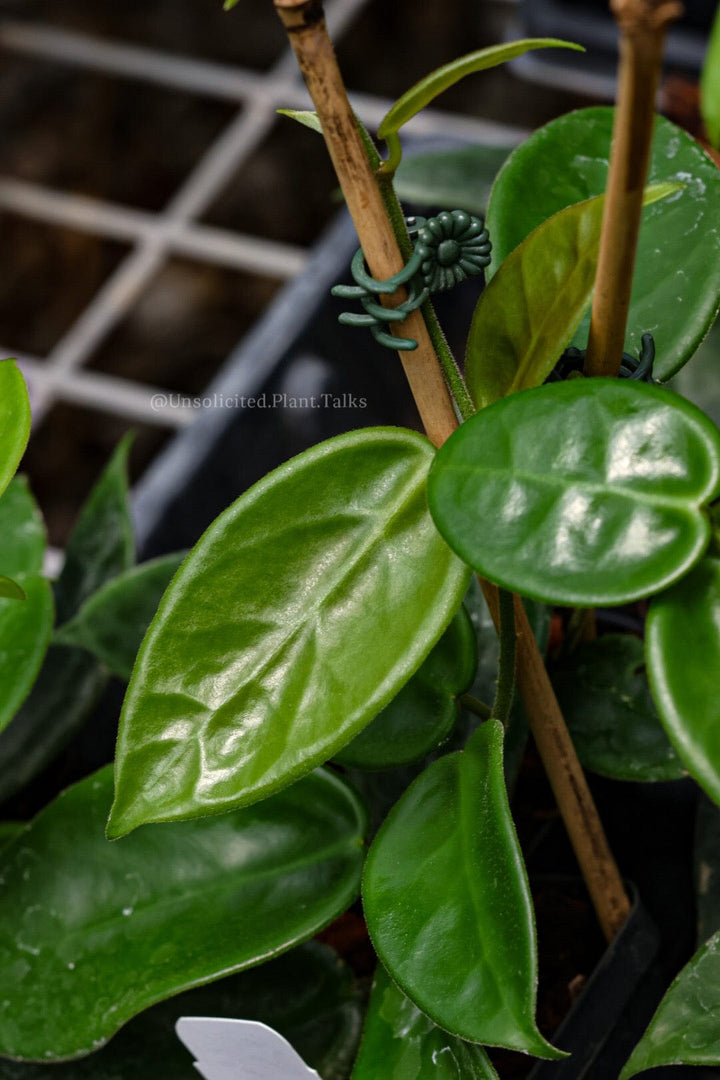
x,y
685,1029
678,262
296,618
307,117
582,492
426,90
459,178
113,622
707,868
448,904
683,658
605,698
14,420
530,310
9,830
11,590
401,1042
423,714
710,85
307,995
91,933
101,545
23,531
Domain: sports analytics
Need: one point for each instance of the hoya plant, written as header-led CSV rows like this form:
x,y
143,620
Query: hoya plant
x,y
335,624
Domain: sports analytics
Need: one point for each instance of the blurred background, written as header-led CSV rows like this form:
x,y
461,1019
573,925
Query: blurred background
x,y
154,206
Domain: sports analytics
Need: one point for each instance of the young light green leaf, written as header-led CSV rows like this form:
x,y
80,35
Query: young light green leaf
x,y
586,492
678,260
426,90
685,1030
296,618
683,658
113,622
183,904
307,117
401,1042
308,995
423,714
605,698
448,905
101,545
14,420
530,310
710,85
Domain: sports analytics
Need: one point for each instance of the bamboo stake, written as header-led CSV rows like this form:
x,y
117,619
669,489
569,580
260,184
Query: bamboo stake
x,y
303,19
642,24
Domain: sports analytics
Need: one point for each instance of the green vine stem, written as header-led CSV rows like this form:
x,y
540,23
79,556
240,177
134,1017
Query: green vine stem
x,y
475,706
506,664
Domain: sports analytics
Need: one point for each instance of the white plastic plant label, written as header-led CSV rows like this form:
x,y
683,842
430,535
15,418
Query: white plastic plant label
x,y
240,1050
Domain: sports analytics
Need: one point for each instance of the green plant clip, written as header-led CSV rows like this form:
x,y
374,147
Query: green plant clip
x,y
451,247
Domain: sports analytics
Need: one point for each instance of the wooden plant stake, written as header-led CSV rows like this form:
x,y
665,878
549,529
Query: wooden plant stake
x,y
305,24
642,25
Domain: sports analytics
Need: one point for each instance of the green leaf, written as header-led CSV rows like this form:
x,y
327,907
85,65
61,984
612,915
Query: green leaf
x,y
9,830
423,714
426,90
448,904
113,622
707,868
101,544
401,1042
458,178
295,619
685,1030
307,995
530,310
581,493
710,85
307,117
11,590
678,261
683,658
92,933
605,699
22,529
14,420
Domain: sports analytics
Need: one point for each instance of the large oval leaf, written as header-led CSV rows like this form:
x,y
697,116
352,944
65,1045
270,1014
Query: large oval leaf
x,y
113,621
683,657
678,261
25,624
401,1042
296,618
448,905
685,1030
308,995
529,311
583,492
92,933
423,714
605,698
14,420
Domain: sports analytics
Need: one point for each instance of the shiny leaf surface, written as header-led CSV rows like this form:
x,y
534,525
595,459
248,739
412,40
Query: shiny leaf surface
x,y
458,178
678,262
426,90
683,658
423,714
448,905
296,618
101,545
606,701
14,420
582,492
182,904
113,621
710,85
401,1042
307,994
685,1030
530,310
22,530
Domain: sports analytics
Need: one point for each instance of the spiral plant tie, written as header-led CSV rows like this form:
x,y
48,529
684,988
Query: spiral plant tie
x,y
448,249
639,368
